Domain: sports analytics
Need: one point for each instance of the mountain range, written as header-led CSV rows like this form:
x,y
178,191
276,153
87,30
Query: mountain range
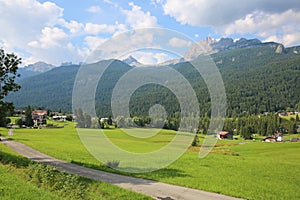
x,y
258,77
210,46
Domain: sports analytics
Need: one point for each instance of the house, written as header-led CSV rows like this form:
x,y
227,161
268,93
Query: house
x,y
59,117
278,137
283,114
39,117
104,119
269,139
19,112
224,135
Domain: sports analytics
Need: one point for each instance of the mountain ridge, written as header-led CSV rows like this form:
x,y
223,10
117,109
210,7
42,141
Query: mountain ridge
x,y
35,69
210,46
256,80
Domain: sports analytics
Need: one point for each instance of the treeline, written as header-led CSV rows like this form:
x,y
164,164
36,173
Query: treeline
x,y
264,124
84,120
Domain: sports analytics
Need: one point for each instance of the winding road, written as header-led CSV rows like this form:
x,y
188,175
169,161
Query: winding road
x,y
156,190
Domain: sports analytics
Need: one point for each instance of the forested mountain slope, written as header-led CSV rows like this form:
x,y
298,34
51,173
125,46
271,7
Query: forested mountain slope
x,y
256,80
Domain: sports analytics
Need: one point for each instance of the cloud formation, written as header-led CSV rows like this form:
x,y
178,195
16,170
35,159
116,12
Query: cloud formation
x,y
138,18
265,18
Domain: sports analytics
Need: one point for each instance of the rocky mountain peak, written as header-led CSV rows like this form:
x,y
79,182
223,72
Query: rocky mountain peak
x,y
130,60
209,46
280,49
39,67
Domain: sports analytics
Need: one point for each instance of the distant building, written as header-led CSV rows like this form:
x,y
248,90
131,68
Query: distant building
x,y
59,117
269,139
224,135
282,114
19,112
103,119
277,137
39,117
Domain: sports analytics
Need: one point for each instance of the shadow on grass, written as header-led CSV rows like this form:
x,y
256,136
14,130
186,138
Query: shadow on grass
x,y
155,175
18,161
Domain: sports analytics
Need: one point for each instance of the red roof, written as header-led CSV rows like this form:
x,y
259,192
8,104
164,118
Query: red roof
x,y
223,133
39,112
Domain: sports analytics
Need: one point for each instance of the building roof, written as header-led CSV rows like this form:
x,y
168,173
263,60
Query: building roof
x,y
223,133
39,112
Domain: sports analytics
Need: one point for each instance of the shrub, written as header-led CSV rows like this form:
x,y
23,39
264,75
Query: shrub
x,y
113,163
195,141
65,185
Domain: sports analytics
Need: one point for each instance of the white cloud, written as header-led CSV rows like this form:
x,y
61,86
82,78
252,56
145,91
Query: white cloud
x,y
291,39
265,19
51,37
93,41
40,32
94,9
281,27
95,29
162,57
30,28
138,18
218,13
178,43
73,26
23,20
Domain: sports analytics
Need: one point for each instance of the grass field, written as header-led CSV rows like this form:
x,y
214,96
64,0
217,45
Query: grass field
x,y
247,169
16,182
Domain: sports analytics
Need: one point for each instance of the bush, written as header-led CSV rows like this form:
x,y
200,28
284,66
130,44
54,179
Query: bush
x,y
65,185
195,141
113,164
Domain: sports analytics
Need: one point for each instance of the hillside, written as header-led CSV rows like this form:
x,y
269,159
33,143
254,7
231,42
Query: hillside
x,y
256,80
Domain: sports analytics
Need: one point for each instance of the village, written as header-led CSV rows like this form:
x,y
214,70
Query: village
x,y
39,119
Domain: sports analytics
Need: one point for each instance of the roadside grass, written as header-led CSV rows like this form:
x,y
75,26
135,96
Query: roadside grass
x,y
24,179
246,169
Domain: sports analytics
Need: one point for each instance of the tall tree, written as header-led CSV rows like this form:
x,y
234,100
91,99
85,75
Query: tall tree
x,y
8,72
28,116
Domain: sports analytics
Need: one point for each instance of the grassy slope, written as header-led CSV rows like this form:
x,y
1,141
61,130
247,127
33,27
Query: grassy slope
x,y
252,170
14,186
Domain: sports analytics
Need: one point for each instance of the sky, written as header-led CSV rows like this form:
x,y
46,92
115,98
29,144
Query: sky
x,y
67,30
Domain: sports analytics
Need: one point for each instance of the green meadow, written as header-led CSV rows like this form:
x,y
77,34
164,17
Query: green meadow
x,y
22,179
240,168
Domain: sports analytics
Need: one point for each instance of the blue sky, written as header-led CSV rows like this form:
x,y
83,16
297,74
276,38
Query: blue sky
x,y
67,30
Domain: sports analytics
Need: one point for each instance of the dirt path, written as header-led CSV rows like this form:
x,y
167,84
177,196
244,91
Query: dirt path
x,y
10,132
157,190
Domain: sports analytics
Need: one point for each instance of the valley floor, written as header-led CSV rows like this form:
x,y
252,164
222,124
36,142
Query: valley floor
x,y
155,189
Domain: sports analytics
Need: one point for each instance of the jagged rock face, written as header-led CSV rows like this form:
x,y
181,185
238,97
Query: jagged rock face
x,y
247,43
209,46
280,49
198,48
131,61
223,44
39,67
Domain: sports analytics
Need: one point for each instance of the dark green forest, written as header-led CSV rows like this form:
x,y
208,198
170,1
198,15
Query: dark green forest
x,y
257,80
